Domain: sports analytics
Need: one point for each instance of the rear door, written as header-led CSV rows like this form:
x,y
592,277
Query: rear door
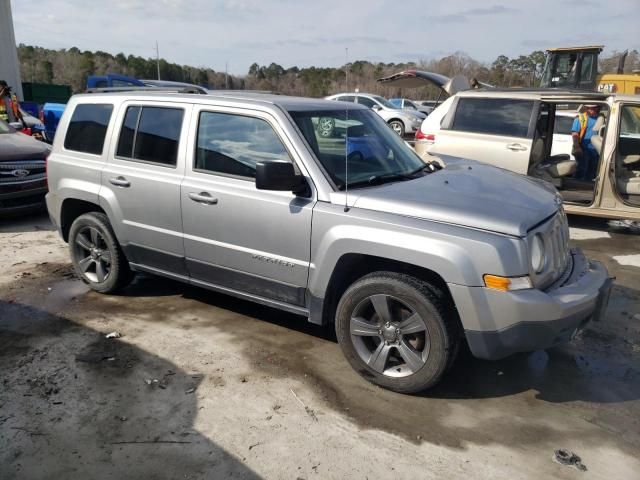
x,y
141,182
497,131
237,237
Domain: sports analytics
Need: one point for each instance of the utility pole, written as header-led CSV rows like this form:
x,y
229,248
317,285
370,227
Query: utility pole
x,y
158,59
346,69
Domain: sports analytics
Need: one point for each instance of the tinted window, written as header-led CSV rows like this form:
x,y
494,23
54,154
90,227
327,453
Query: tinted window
x,y
233,144
125,144
346,98
493,116
156,137
87,128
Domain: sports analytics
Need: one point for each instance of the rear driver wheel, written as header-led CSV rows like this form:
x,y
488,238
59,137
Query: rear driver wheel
x,y
96,254
393,330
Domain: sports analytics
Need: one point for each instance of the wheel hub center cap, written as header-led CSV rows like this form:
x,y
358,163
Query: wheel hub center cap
x,y
389,333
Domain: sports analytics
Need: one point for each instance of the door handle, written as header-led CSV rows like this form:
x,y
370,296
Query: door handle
x,y
516,147
203,197
120,182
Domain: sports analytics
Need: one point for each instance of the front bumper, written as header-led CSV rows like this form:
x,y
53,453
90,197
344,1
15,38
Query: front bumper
x,y
498,324
16,201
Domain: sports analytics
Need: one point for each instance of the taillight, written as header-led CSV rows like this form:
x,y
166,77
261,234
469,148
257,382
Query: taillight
x,y
422,136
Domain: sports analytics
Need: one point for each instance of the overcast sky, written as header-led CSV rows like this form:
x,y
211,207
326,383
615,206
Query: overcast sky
x,y
304,33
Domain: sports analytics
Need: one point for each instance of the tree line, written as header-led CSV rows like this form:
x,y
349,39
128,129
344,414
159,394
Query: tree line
x,y
72,66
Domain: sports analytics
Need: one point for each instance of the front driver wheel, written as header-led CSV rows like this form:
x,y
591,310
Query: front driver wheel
x,y
394,331
96,254
397,126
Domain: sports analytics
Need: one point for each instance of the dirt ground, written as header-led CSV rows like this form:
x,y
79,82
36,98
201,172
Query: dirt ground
x,y
201,385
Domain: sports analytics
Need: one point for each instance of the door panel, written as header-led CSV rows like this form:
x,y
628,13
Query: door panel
x,y
242,238
145,197
505,152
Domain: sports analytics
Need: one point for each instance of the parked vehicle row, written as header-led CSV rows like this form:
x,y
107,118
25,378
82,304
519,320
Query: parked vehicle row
x,y
401,121
244,195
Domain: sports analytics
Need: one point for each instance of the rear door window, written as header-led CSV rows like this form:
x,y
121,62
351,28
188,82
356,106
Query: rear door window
x,y
151,134
494,116
88,127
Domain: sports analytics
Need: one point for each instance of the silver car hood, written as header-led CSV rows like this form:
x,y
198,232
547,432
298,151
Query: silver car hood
x,y
466,193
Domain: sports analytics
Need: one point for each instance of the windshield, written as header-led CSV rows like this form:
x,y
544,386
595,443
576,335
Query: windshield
x,y
384,102
358,142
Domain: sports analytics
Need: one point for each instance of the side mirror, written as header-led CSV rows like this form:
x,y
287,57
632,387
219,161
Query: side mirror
x,y
376,107
276,175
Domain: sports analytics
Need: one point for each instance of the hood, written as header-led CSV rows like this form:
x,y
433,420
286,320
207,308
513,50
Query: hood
x,y
467,193
17,146
417,78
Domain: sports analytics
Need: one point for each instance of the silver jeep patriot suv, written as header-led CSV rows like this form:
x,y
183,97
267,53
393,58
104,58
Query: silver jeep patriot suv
x,y
238,193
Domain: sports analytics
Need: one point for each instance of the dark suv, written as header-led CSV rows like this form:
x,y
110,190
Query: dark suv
x,y
23,179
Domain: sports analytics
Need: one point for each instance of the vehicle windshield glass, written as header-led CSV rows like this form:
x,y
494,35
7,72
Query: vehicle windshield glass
x,y
384,102
4,128
358,142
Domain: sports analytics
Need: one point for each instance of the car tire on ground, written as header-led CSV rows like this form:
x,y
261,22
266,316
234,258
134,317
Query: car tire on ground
x,y
397,126
96,254
397,331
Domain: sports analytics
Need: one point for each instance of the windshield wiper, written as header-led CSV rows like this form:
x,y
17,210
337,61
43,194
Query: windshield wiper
x,y
380,179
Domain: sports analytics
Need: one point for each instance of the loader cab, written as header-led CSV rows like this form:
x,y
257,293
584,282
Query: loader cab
x,y
572,68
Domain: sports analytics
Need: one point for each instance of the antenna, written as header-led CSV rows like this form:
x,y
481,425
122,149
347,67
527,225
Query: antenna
x,y
346,140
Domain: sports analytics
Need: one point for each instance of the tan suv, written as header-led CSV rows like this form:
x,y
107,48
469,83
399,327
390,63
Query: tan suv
x,y
514,129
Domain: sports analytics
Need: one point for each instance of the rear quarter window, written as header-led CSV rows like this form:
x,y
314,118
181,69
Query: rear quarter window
x,y
88,127
493,116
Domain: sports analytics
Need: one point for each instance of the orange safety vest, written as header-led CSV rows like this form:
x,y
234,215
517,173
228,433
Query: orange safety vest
x,y
4,113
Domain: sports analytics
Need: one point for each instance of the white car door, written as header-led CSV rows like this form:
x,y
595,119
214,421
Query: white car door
x,y
497,131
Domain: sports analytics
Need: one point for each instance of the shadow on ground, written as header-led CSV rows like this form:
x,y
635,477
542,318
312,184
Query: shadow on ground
x,y
76,405
33,222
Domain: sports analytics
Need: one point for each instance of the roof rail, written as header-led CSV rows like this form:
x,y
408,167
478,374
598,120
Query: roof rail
x,y
144,89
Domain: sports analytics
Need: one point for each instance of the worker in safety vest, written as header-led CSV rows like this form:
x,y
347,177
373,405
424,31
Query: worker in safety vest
x,y
9,106
585,153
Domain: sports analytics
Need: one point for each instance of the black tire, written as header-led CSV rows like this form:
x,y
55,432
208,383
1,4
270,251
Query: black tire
x,y
119,274
441,331
398,127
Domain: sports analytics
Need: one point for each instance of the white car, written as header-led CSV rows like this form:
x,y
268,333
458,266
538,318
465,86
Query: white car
x,y
425,141
403,122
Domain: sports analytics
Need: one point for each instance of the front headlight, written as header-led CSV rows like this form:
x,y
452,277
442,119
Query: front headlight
x,y
538,254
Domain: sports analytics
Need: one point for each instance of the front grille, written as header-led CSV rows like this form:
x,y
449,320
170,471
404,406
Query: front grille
x,y
555,234
22,171
558,244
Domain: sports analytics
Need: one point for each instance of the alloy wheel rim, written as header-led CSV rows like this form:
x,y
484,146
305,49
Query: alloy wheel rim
x,y
389,335
92,255
397,128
